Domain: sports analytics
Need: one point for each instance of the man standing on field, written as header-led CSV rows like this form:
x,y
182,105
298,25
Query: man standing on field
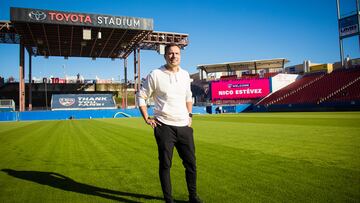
x,y
169,86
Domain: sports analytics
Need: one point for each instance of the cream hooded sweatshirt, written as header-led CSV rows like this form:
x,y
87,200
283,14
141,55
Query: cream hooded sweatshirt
x,y
170,92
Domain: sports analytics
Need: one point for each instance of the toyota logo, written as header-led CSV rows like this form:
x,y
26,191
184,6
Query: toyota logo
x,y
37,15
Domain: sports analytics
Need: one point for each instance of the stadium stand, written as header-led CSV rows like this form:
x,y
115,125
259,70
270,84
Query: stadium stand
x,y
250,76
348,92
228,77
281,94
201,93
339,85
270,75
41,92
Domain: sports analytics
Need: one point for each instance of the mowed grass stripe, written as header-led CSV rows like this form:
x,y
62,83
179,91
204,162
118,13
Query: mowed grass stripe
x,y
283,120
328,145
82,151
241,158
25,142
144,148
129,174
262,177
106,150
32,150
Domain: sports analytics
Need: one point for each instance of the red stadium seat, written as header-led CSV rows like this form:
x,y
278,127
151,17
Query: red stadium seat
x,y
340,85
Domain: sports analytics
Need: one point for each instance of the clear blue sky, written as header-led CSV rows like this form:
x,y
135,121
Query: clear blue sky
x,y
219,31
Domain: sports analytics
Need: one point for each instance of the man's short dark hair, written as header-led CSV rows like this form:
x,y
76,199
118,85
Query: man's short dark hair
x,y
167,47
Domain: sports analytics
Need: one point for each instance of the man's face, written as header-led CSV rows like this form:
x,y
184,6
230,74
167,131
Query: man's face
x,y
172,56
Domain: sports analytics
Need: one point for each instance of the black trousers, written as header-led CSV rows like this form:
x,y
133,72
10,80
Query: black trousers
x,y
182,138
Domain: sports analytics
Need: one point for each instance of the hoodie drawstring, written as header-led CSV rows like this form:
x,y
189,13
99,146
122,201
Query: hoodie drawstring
x,y
171,76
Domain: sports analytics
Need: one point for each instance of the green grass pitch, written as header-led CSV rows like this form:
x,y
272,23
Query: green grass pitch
x,y
256,157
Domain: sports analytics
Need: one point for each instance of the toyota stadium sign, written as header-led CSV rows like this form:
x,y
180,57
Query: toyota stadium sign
x,y
82,19
82,101
239,89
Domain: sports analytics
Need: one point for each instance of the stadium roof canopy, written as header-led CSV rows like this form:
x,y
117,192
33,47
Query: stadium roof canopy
x,y
72,34
243,65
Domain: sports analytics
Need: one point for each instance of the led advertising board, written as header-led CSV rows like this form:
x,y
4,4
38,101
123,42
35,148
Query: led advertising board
x,y
240,89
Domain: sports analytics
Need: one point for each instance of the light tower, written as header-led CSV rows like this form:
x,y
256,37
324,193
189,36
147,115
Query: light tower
x,y
348,23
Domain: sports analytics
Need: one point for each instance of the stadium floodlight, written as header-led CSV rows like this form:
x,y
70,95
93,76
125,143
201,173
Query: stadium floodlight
x,y
123,45
161,49
40,41
86,34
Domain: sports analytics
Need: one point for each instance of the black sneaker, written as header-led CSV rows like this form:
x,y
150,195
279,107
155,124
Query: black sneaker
x,y
195,199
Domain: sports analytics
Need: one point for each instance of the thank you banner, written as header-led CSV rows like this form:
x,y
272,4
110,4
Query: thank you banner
x,y
82,101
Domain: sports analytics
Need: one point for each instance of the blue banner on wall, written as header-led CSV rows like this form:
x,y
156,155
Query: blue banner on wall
x,y
349,26
82,101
